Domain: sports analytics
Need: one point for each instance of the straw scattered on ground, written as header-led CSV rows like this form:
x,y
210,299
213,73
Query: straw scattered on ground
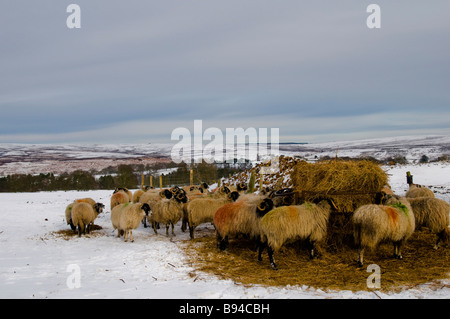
x,y
335,269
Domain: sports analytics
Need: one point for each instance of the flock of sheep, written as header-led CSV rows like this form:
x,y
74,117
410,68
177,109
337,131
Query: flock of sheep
x,y
270,219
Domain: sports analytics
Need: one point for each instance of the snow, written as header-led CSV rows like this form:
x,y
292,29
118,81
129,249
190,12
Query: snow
x,y
35,262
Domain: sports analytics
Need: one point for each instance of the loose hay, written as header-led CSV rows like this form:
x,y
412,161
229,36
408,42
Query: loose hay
x,y
349,184
67,234
336,269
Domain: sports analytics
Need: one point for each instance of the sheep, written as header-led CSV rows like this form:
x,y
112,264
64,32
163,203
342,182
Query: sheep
x,y
419,191
68,211
373,223
222,191
138,193
154,194
239,218
115,217
120,196
290,223
83,216
126,217
202,210
166,211
434,214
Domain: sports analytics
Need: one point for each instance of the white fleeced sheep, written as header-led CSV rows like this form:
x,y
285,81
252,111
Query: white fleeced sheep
x,y
290,223
83,216
120,196
202,210
432,213
419,191
129,217
373,224
68,211
166,212
239,218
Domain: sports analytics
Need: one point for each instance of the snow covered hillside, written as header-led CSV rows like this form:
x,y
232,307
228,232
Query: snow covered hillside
x,y
38,261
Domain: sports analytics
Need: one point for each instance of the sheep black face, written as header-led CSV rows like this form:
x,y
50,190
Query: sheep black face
x,y
99,207
166,194
241,187
226,190
264,207
146,208
204,185
234,196
181,198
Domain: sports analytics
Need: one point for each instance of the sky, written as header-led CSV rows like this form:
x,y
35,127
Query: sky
x,y
137,70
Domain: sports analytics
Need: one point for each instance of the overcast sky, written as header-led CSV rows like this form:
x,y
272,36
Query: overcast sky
x,y
136,70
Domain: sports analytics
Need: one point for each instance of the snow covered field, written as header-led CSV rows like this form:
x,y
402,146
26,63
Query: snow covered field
x,y
37,262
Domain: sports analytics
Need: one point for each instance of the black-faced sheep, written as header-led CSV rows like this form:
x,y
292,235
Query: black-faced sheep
x,y
222,191
167,212
202,210
239,218
434,214
83,216
392,222
129,217
290,223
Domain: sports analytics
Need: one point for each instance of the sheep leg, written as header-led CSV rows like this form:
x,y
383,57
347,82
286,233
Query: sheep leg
x,y
442,236
360,256
131,236
173,231
271,259
312,247
125,235
191,231
223,243
144,221
261,247
154,228
167,230
397,250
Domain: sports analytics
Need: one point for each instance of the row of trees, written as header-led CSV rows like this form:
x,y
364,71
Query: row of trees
x,y
123,176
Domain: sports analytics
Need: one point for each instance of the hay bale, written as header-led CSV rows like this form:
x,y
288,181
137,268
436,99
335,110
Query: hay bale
x,y
349,184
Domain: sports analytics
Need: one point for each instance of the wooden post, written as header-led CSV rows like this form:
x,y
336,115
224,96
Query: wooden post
x,y
261,182
142,181
151,181
160,181
192,177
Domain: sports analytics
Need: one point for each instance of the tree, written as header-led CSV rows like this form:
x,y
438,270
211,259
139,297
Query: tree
x,y
125,177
